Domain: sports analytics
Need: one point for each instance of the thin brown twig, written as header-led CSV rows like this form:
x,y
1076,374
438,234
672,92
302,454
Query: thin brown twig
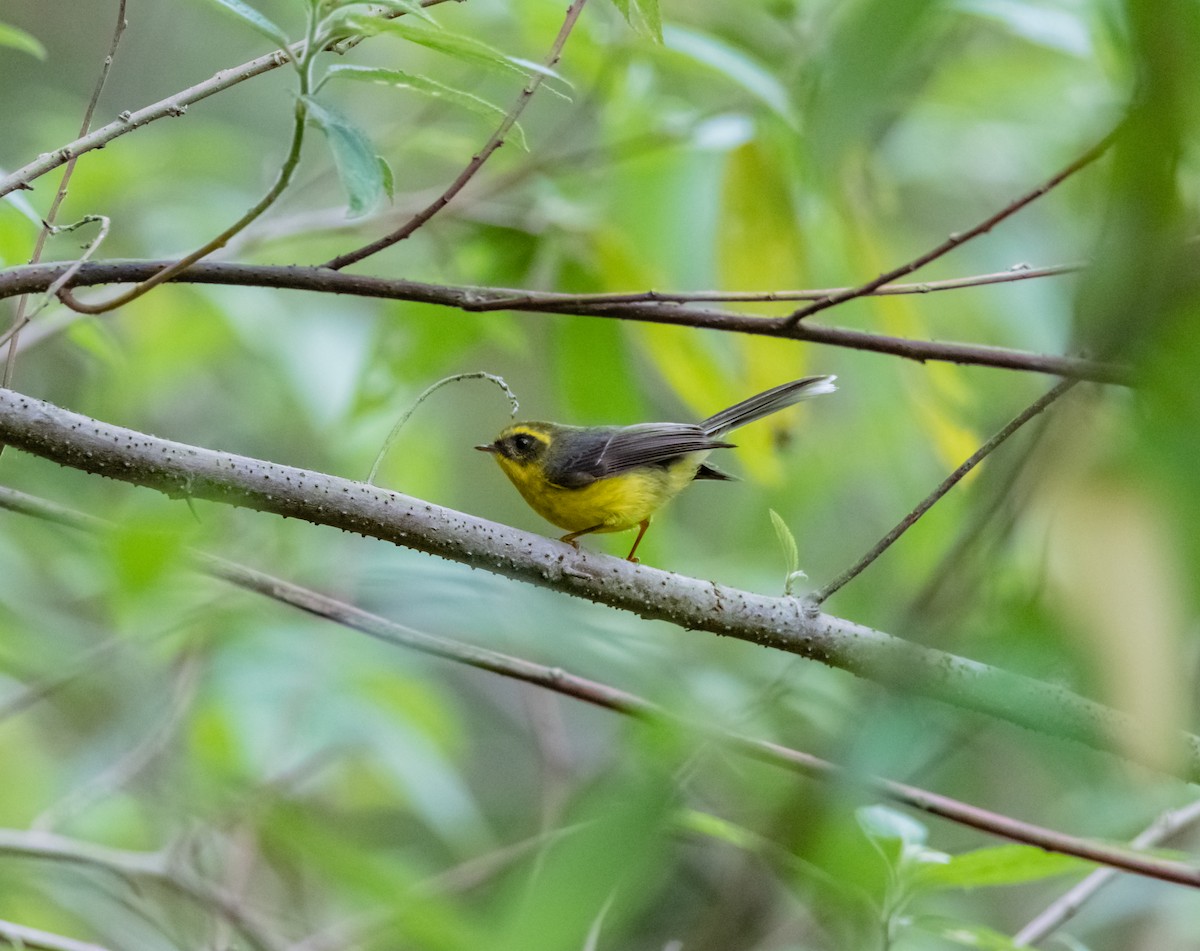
x,y
822,594
961,237
24,279
477,160
1070,903
60,195
620,701
540,300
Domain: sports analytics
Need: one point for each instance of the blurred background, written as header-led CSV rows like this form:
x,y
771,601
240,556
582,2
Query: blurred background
x,y
356,796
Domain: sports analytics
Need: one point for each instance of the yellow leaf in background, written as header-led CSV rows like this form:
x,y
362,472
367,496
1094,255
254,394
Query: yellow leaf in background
x,y
759,247
1115,571
1117,576
941,396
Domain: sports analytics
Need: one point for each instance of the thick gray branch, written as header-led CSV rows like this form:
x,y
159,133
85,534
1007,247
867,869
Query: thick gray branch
x,y
782,623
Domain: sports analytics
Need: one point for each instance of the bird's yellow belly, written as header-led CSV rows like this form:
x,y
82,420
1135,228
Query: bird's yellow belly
x,y
613,504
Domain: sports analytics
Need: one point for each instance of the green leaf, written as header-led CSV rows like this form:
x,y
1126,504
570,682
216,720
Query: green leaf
x,y
868,70
1063,30
20,40
652,16
883,822
404,6
999,865
965,934
733,64
430,87
354,157
791,553
21,203
460,47
247,14
714,827
644,16
389,179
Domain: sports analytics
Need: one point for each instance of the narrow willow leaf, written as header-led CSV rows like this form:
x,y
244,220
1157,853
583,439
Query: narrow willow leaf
x,y
965,934
643,16
20,40
1000,865
652,16
734,65
247,14
353,156
460,47
405,6
429,87
389,179
21,203
791,553
884,822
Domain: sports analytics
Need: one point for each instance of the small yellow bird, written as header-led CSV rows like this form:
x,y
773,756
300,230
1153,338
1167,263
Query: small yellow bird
x,y
610,478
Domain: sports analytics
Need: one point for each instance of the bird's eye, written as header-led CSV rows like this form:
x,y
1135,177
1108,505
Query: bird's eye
x,y
523,443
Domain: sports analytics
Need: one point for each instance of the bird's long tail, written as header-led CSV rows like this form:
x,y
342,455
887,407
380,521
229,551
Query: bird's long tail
x,y
764,404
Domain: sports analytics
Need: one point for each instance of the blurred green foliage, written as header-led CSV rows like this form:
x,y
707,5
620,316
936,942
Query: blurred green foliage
x,y
346,795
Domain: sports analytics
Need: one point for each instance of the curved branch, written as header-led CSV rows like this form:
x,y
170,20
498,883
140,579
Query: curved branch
x,y
27,279
181,470
629,704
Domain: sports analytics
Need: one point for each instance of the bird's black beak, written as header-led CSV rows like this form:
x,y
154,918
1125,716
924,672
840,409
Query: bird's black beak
x,y
489,447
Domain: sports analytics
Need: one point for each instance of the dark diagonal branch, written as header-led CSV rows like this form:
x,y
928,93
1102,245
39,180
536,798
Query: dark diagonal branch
x,y
821,595
20,280
961,237
620,701
477,160
781,623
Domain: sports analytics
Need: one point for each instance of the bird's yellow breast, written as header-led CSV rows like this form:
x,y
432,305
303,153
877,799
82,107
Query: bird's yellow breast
x,y
606,505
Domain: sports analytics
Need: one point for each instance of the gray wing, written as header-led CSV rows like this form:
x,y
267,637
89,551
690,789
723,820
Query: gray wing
x,y
612,451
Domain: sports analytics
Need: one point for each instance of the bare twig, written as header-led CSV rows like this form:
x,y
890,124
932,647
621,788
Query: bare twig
x,y
691,603
542,300
961,237
819,596
477,160
620,701
132,866
30,278
1068,905
19,319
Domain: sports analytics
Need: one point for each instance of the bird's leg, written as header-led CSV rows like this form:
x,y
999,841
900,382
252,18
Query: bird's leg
x,y
637,541
570,537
